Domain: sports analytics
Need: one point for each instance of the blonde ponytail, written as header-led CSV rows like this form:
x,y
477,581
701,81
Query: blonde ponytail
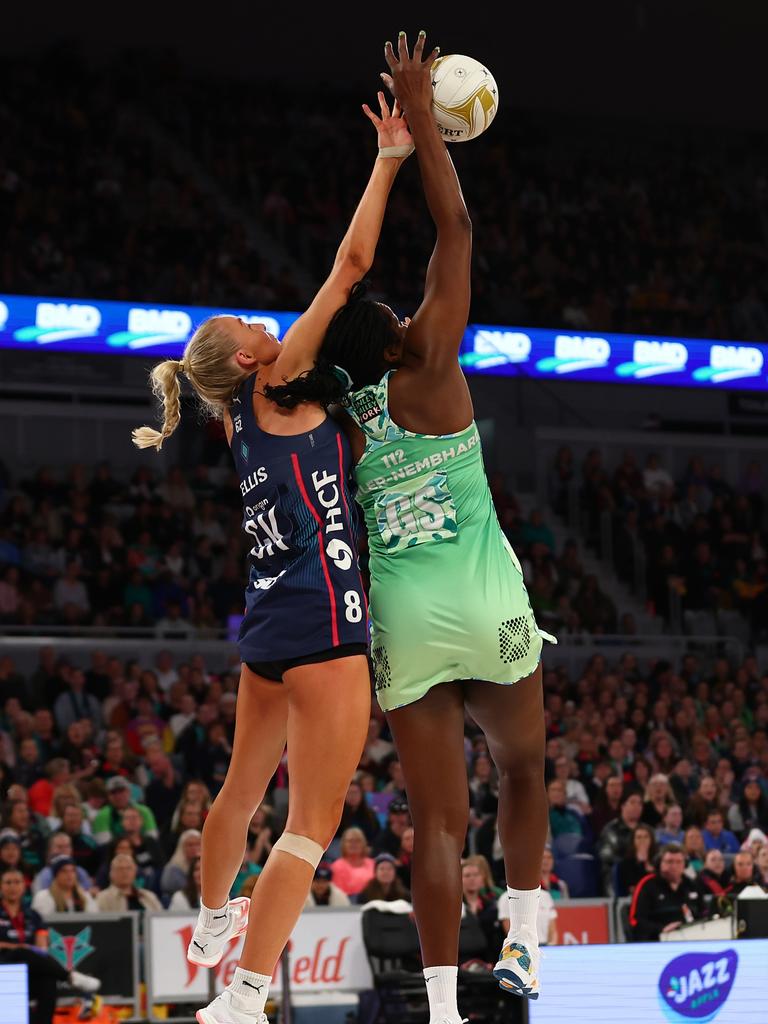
x,y
209,365
165,385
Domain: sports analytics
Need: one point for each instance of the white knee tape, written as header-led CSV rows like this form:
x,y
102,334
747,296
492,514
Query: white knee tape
x,y
301,847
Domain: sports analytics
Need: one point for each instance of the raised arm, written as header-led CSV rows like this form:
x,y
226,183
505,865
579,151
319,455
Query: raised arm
x,y
435,333
357,250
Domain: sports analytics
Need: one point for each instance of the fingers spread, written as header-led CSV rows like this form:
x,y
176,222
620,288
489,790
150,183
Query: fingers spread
x,y
433,56
388,81
402,46
370,115
389,56
419,47
384,105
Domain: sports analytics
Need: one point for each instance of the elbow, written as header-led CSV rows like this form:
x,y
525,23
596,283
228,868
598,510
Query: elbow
x,y
353,261
458,223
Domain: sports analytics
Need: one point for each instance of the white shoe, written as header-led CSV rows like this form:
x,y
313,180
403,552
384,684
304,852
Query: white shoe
x,y
207,946
84,982
224,1011
518,968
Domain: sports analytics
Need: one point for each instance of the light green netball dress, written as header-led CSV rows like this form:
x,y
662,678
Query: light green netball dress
x,y
448,600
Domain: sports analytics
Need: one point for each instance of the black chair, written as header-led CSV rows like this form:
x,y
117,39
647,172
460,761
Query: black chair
x,y
392,945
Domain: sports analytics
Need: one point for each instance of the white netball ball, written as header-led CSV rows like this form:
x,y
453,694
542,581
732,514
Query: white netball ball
x,y
465,95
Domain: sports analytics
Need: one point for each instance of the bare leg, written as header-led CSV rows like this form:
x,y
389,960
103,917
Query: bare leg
x,y
429,735
260,734
512,718
329,707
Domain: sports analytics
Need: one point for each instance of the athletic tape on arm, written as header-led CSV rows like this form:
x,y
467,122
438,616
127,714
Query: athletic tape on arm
x,y
301,847
398,152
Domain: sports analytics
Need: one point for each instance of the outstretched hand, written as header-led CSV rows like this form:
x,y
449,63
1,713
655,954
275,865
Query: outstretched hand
x,y
391,128
410,81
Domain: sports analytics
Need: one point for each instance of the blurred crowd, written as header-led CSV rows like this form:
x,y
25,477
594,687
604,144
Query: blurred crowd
x,y
108,769
703,536
142,181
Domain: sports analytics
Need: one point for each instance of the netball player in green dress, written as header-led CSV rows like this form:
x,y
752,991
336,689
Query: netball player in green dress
x,y
452,626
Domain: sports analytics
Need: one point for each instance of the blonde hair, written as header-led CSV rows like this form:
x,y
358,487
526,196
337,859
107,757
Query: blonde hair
x,y
353,833
208,365
60,897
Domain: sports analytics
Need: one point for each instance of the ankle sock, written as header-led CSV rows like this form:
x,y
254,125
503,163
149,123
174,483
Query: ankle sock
x,y
441,992
251,990
523,908
214,920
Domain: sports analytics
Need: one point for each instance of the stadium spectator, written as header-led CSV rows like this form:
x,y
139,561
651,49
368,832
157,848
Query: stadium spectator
x,y
716,837
389,839
713,877
188,896
761,865
357,813
607,803
323,892
665,899
705,799
695,850
575,793
751,811
658,795
555,886
59,845
385,885
85,850
64,893
616,839
175,874
24,940
144,848
671,828
76,704
18,818
122,893
261,833
744,874
482,905
352,871
40,793
107,824
638,862
562,820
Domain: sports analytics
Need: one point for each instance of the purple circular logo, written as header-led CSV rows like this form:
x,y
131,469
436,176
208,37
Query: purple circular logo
x,y
695,986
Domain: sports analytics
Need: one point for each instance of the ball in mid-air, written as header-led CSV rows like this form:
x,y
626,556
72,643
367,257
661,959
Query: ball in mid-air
x,y
465,96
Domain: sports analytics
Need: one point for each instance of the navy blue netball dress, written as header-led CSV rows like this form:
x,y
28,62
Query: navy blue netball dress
x,y
305,600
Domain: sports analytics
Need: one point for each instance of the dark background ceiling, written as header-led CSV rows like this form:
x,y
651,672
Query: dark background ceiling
x,y
642,58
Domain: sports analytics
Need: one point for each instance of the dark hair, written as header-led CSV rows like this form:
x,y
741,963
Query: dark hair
x,y
357,336
190,889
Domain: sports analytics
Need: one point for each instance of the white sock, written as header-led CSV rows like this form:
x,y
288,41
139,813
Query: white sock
x,y
251,990
441,992
523,907
214,920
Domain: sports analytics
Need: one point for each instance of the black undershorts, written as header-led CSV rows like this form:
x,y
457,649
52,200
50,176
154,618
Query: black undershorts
x,y
274,669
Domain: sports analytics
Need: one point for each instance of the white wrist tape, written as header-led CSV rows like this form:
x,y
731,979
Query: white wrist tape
x,y
301,847
396,152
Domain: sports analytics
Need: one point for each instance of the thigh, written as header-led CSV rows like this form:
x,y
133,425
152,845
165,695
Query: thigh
x,y
429,736
511,716
329,708
261,724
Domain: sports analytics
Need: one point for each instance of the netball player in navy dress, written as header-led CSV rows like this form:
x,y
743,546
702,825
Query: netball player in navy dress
x,y
303,640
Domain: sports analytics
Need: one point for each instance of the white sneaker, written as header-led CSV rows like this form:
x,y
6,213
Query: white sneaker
x,y
224,1011
207,945
518,968
84,982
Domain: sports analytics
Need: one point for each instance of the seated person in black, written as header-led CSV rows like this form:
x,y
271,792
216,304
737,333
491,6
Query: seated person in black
x,y
23,940
665,900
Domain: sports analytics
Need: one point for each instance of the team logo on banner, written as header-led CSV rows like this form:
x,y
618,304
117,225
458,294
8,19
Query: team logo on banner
x,y
497,348
70,950
651,358
60,321
695,986
574,353
731,362
150,327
